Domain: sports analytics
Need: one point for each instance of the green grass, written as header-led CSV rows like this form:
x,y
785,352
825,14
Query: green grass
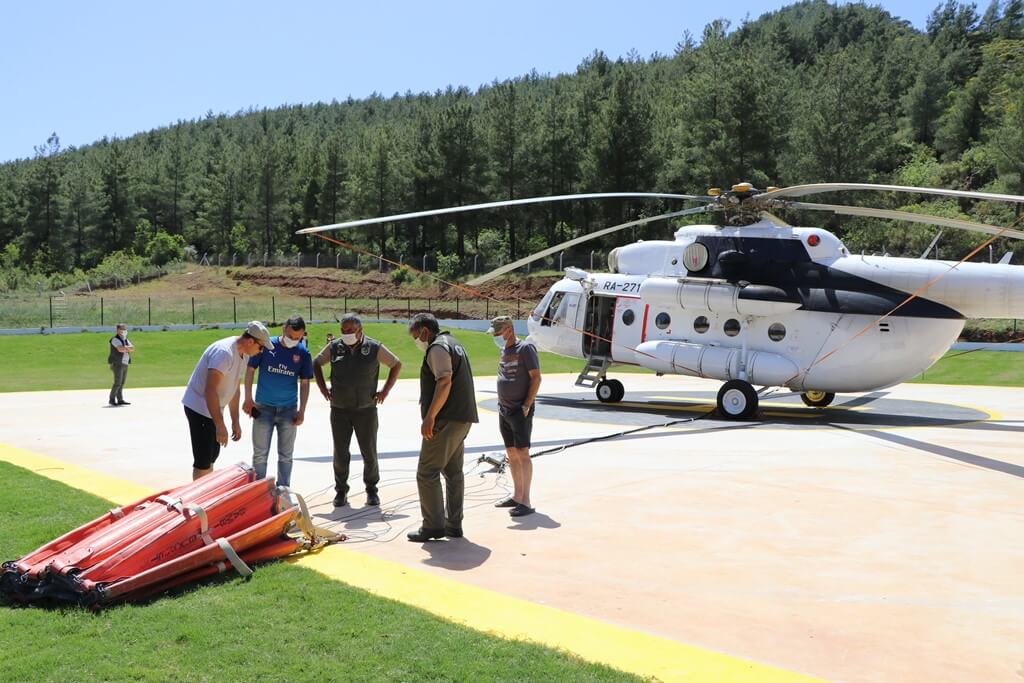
x,y
994,368
79,361
286,623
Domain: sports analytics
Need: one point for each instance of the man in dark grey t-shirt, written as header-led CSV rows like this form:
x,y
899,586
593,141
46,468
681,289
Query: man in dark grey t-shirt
x,y
518,384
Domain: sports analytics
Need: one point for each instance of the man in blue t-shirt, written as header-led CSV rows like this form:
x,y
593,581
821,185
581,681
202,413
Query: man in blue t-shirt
x,y
287,367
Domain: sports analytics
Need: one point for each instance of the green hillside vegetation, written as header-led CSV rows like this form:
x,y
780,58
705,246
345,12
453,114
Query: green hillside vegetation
x,y
813,92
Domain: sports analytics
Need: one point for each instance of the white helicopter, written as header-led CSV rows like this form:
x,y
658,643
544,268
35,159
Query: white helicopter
x,y
751,301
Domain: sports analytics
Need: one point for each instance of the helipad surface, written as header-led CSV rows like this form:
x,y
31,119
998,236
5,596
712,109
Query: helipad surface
x,y
880,539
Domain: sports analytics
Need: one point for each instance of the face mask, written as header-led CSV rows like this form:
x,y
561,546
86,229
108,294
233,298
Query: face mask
x,y
349,339
288,342
499,341
422,345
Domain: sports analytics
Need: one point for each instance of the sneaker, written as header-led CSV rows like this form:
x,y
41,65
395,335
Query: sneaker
x,y
372,499
340,501
521,510
422,535
507,503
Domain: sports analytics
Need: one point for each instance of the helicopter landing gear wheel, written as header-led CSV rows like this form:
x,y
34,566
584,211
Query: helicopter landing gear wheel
x,y
610,391
817,399
737,400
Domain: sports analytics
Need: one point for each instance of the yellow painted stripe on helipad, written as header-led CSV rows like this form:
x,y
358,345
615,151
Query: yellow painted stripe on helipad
x,y
509,617
109,488
478,608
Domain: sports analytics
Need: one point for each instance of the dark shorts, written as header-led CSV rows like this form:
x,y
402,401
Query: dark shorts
x,y
515,427
203,431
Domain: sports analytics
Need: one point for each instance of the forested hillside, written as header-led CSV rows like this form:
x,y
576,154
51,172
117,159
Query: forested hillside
x,y
810,93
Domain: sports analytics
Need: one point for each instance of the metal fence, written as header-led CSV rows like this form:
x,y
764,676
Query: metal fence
x,y
473,264
91,310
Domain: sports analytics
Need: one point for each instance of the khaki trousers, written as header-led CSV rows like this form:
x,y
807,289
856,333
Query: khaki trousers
x,y
442,455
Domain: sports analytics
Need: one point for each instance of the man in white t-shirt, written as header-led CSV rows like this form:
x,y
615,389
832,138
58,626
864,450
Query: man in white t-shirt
x,y
213,385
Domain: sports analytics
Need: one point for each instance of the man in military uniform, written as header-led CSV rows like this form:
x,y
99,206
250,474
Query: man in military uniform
x,y
355,362
448,409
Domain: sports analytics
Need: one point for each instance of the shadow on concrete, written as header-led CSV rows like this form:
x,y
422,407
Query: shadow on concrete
x,y
538,520
781,410
943,451
456,554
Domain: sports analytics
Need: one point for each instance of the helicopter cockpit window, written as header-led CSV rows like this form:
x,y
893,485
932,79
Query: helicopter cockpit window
x,y
558,308
548,314
542,308
701,324
628,316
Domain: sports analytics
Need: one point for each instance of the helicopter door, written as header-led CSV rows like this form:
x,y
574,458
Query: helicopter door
x,y
630,314
597,326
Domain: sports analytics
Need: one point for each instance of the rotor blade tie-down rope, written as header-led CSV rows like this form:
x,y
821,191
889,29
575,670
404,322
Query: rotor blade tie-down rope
x,y
606,437
914,295
480,294
917,293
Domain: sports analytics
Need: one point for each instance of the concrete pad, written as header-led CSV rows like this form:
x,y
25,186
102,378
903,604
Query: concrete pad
x,y
880,539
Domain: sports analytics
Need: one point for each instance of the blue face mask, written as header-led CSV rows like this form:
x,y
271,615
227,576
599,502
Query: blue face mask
x,y
499,341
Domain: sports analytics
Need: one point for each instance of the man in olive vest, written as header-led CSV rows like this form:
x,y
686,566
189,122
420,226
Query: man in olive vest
x,y
118,359
448,409
355,366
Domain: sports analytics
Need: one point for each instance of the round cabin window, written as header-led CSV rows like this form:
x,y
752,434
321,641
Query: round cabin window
x,y
701,324
777,332
663,321
732,327
628,316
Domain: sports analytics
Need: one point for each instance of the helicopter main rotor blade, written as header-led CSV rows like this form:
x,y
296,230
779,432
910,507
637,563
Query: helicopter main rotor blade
x,y
909,217
775,220
579,240
818,188
494,205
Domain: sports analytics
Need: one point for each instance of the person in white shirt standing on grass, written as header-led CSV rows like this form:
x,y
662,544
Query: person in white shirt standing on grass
x,y
118,358
213,385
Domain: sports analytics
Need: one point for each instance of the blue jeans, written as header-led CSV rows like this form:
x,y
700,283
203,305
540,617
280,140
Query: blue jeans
x,y
263,430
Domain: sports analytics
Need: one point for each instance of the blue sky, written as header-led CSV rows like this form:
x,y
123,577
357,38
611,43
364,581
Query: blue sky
x,y
86,70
